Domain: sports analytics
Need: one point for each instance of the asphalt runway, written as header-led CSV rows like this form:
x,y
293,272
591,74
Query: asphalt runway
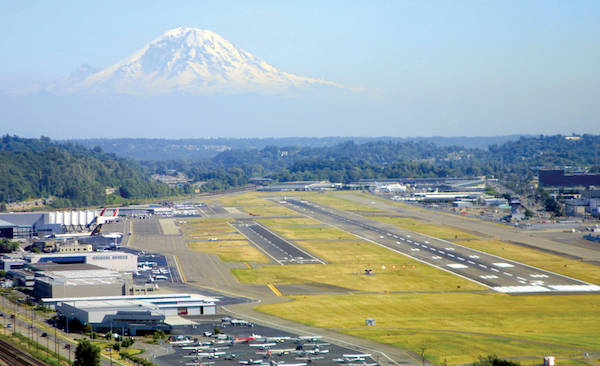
x,y
279,249
497,273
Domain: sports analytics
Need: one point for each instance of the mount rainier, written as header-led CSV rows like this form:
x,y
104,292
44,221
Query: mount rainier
x,y
190,61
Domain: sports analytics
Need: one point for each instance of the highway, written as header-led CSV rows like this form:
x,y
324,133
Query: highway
x,y
495,272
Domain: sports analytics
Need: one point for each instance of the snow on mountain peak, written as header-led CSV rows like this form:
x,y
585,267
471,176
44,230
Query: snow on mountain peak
x,y
189,60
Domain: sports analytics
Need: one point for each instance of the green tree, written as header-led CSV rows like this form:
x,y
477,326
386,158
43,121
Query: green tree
x,y
493,360
159,334
86,354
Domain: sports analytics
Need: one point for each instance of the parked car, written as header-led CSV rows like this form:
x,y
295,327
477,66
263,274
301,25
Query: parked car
x,y
44,334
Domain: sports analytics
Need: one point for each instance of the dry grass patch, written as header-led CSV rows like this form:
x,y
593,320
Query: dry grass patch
x,y
308,233
354,252
269,210
567,320
396,220
331,199
440,232
245,199
539,259
351,276
240,251
292,221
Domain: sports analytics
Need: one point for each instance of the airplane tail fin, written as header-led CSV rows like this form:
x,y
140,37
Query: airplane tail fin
x,y
96,230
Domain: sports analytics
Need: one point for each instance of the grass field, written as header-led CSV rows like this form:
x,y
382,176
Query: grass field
x,y
246,199
563,321
228,251
392,272
396,220
292,221
332,199
269,210
352,277
458,348
440,232
314,233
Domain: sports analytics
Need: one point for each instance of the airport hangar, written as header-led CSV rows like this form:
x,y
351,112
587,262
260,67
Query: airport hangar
x,y
133,315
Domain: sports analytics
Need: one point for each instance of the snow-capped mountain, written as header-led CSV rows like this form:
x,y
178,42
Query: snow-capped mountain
x,y
189,60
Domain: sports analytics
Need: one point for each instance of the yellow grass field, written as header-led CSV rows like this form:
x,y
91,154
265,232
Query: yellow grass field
x,y
228,251
352,277
459,348
269,210
317,233
396,220
332,199
568,321
246,199
292,221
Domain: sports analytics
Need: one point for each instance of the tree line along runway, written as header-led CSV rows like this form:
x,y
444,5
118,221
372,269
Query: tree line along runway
x,y
495,272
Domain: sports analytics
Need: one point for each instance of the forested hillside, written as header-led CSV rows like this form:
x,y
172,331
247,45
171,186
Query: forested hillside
x,y
35,168
208,148
32,168
516,161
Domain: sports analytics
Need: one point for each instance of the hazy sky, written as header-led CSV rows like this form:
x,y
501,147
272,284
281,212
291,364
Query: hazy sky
x,y
483,67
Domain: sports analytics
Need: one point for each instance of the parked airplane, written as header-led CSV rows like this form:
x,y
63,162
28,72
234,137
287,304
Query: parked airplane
x,y
107,219
263,345
307,338
251,362
178,343
95,232
352,358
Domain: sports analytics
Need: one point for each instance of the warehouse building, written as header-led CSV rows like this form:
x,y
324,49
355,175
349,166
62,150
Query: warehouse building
x,y
133,315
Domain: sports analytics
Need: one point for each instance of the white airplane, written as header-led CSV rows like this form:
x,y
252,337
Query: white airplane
x,y
107,219
112,235
182,342
263,345
209,355
352,358
251,362
95,232
307,338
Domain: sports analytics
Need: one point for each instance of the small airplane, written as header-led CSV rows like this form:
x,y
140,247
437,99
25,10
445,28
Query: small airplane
x,y
251,362
310,358
276,352
263,345
352,358
178,343
307,338
209,355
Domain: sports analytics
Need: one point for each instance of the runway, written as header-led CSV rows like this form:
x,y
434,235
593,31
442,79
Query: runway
x,y
277,248
495,272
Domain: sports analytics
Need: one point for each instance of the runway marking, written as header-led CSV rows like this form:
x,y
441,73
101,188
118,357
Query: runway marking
x,y
275,290
521,289
503,265
247,265
457,265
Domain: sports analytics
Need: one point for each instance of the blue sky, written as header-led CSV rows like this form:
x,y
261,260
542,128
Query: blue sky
x,y
533,66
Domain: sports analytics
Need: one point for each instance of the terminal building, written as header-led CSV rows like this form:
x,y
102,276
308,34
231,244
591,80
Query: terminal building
x,y
133,315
